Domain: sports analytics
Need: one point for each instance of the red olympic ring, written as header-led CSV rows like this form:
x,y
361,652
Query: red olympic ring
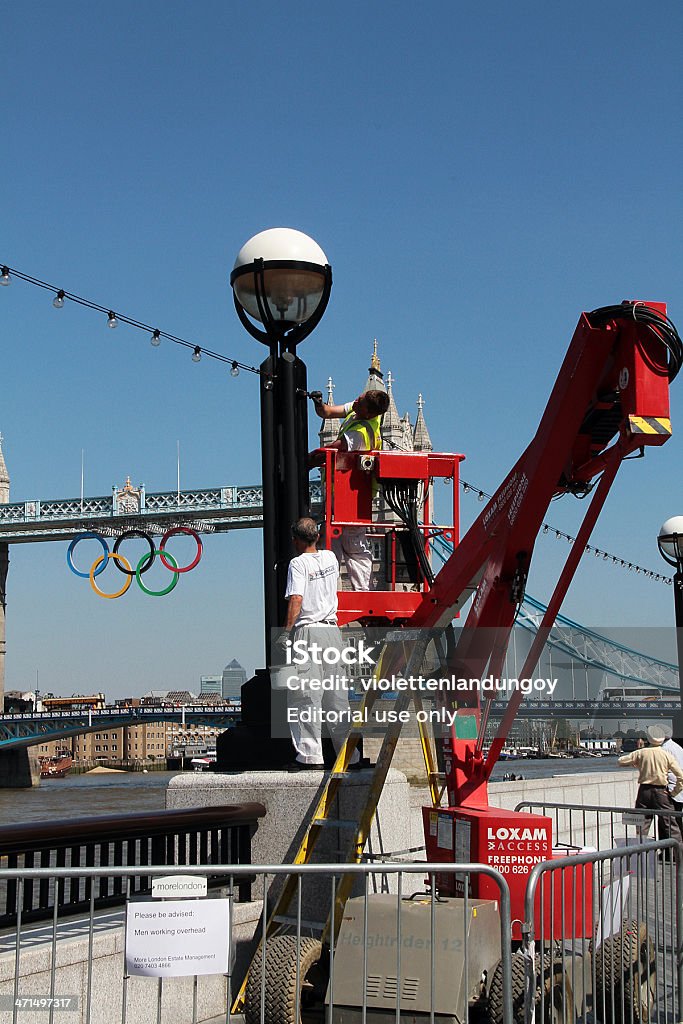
x,y
173,532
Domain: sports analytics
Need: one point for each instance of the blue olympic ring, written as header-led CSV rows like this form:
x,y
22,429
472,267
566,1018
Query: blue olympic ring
x,y
84,536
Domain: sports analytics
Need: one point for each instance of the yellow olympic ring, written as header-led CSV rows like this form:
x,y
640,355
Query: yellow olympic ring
x,y
94,567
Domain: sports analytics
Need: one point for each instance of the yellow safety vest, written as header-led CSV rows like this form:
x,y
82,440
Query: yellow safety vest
x,y
369,430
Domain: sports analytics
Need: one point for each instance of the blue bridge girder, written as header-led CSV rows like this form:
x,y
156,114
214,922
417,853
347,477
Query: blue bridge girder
x,y
587,709
26,730
207,511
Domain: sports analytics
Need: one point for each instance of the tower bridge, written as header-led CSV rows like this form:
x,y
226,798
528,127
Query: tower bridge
x,y
212,510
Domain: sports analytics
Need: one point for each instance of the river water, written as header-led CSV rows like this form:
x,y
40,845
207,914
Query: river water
x,y
79,796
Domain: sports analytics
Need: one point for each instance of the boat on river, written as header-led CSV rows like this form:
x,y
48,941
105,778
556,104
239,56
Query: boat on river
x,y
55,767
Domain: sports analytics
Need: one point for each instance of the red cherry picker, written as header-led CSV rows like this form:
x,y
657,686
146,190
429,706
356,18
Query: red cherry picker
x,y
609,403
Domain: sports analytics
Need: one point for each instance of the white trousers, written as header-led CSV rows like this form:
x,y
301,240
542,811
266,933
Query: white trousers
x,y
316,705
355,550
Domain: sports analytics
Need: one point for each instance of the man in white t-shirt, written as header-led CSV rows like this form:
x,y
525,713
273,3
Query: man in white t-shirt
x,y
312,621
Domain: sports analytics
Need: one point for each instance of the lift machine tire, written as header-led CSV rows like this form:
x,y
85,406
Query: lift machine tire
x,y
554,986
281,995
626,974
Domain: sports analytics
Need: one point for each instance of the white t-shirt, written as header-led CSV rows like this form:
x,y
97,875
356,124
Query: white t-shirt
x,y
313,576
674,748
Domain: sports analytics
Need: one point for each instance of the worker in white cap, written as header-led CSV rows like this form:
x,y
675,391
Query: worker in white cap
x,y
654,765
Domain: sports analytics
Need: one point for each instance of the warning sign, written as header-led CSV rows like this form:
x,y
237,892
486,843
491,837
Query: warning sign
x,y
178,937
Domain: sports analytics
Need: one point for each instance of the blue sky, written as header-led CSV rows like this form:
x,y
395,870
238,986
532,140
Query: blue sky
x,y
477,175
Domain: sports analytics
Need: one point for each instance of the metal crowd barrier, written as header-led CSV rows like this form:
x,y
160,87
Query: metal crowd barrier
x,y
577,826
602,938
406,951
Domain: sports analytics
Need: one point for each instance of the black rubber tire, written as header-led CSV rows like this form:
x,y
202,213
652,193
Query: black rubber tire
x,y
280,993
553,988
626,971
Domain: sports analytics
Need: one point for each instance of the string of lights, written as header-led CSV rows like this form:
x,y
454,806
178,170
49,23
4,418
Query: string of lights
x,y
606,556
61,296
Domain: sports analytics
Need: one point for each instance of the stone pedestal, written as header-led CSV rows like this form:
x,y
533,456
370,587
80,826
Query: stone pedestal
x,y
290,800
19,769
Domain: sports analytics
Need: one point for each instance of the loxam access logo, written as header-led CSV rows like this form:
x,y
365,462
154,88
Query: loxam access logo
x,y
517,840
503,834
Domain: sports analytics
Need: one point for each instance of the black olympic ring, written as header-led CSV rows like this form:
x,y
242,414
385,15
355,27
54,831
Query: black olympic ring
x,y
150,557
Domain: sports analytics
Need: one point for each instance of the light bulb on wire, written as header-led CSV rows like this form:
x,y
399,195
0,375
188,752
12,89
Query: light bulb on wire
x,y
58,301
234,369
155,338
4,276
197,354
111,320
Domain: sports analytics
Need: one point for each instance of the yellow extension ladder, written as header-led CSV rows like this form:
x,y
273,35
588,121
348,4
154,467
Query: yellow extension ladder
x,y
359,829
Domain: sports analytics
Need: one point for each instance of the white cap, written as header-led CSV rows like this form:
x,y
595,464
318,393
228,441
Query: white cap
x,y
658,734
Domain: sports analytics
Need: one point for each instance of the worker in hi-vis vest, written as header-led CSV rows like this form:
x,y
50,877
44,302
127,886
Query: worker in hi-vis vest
x,y
359,432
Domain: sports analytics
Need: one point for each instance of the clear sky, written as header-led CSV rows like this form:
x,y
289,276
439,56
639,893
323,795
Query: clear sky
x,y
477,174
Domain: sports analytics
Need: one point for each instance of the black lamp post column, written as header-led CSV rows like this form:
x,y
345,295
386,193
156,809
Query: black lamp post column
x,y
670,542
284,459
281,280
678,607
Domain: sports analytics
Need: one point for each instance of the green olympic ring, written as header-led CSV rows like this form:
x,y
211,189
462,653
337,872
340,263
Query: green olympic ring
x,y
174,569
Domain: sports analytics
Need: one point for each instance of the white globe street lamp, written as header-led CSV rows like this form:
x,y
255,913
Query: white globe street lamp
x,y
281,284
282,280
670,542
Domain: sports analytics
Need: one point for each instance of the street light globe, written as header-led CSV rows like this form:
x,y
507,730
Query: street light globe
x,y
670,541
281,279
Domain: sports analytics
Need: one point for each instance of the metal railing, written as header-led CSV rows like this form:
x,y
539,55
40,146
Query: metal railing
x,y
396,936
601,943
211,835
599,827
602,938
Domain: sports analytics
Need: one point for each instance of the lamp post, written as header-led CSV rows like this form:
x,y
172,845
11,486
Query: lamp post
x,y
281,285
670,543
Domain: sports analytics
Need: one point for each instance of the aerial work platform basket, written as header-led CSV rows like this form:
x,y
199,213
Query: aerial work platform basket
x,y
402,525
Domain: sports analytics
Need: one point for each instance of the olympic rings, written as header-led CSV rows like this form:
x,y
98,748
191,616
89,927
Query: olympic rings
x,y
74,542
105,559
172,533
145,563
139,571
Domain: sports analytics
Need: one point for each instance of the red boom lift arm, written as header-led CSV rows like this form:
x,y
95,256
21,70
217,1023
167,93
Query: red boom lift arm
x,y
611,398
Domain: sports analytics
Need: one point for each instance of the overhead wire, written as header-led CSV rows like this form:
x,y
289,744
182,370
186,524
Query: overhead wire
x,y
607,556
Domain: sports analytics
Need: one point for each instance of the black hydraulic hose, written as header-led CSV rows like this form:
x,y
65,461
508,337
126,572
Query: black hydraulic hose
x,y
404,505
659,324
